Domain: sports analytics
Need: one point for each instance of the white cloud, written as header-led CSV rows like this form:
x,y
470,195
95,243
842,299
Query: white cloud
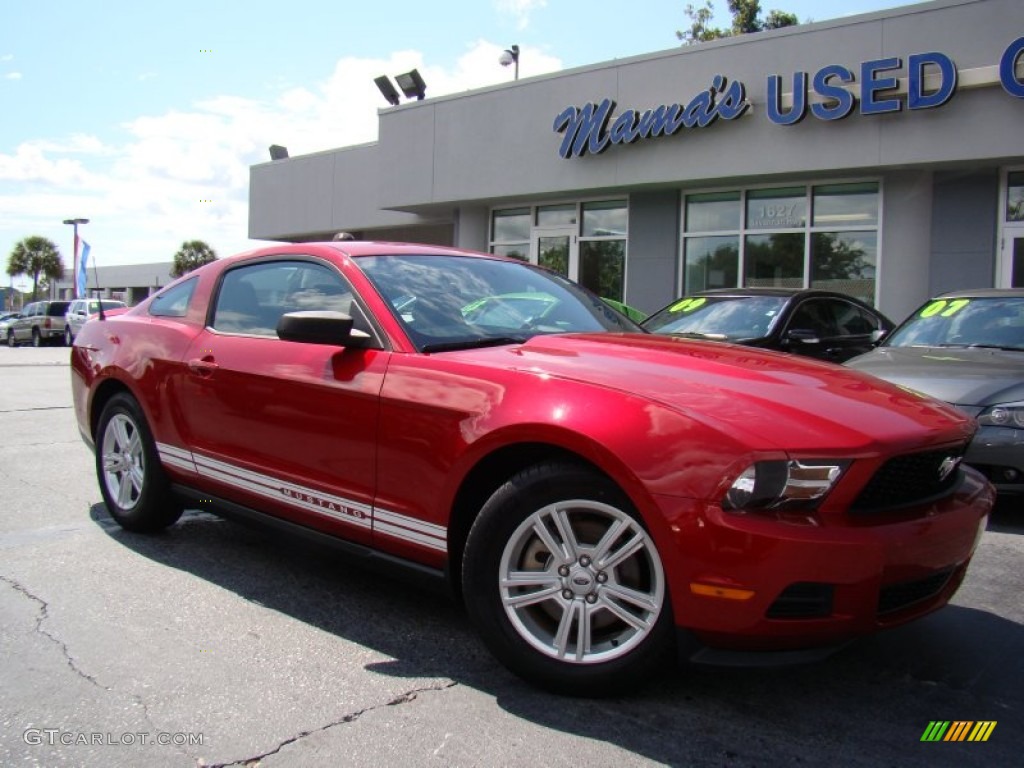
x,y
7,57
150,193
519,9
12,76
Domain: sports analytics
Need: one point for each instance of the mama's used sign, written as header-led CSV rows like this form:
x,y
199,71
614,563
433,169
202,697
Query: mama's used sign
x,y
832,93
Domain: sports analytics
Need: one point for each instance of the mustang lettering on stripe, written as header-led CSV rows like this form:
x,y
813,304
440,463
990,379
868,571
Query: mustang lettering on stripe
x,y
381,522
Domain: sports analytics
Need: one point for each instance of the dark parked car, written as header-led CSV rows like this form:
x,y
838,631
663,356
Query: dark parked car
x,y
967,348
823,324
599,497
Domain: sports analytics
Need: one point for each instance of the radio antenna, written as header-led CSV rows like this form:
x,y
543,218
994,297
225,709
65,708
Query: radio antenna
x,y
99,294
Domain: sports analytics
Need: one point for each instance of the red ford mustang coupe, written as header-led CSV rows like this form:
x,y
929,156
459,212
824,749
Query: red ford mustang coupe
x,y
597,496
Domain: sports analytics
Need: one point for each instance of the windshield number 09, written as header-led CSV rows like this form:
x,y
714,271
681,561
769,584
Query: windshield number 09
x,y
688,305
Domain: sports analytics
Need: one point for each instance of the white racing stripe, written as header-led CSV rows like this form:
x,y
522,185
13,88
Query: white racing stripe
x,y
390,524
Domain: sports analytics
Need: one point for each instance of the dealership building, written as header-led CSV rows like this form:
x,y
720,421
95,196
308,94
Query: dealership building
x,y
881,155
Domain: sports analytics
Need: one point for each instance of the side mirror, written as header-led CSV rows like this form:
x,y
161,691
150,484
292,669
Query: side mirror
x,y
321,327
802,335
877,336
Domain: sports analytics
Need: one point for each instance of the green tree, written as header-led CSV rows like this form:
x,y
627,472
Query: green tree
x,y
36,257
746,18
192,255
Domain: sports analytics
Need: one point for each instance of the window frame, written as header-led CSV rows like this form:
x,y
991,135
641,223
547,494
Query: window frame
x,y
808,230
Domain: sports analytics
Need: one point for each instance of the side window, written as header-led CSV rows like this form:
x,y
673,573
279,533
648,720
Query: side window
x,y
814,315
853,320
173,302
252,298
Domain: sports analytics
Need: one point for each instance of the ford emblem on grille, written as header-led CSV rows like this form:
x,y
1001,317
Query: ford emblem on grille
x,y
947,466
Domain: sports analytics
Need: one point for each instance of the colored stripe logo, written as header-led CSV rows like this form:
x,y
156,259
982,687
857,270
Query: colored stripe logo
x,y
958,730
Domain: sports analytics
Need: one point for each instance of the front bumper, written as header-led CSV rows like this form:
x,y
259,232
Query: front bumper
x,y
998,453
746,582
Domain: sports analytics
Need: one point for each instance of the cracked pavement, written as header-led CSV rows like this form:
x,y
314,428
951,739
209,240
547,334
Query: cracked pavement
x,y
276,654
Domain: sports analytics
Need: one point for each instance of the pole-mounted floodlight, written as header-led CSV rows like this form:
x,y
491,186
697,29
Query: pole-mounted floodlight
x,y
412,85
277,152
74,275
510,56
387,89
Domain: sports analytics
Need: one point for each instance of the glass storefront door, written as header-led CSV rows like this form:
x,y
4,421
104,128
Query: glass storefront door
x,y
556,250
1011,257
1013,245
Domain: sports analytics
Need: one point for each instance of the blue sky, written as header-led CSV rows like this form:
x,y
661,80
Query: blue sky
x,y
145,117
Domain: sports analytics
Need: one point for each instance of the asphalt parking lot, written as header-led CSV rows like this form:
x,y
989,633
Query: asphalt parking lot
x,y
212,644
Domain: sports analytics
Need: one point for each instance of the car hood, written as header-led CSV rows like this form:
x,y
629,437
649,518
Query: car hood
x,y
768,399
962,376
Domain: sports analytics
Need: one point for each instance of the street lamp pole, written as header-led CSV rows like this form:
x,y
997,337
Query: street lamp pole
x,y
74,274
510,56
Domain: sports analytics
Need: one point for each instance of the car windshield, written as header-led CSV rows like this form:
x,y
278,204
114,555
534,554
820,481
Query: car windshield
x,y
94,306
964,322
454,302
718,317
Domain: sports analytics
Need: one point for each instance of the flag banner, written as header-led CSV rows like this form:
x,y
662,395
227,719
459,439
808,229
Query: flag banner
x,y
81,279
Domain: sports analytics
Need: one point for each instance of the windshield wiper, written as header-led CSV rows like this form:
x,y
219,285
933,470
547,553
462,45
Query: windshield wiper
x,y
993,346
696,335
490,341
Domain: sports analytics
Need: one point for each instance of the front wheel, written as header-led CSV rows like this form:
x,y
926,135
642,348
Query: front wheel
x,y
134,487
10,338
565,585
68,339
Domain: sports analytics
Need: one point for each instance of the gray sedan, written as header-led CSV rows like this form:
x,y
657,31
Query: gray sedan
x,y
967,348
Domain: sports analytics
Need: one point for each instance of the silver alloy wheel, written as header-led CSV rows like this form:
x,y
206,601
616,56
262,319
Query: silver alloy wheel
x,y
124,464
581,581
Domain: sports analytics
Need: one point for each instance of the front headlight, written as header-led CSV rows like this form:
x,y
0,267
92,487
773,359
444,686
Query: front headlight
x,y
773,485
1003,415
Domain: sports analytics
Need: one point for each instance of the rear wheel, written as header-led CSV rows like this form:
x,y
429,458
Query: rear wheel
x,y
10,338
565,585
37,340
67,337
134,486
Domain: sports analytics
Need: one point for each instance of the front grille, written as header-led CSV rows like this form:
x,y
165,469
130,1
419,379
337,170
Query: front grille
x,y
896,597
909,479
803,600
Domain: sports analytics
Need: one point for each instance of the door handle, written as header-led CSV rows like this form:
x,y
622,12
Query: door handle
x,y
203,366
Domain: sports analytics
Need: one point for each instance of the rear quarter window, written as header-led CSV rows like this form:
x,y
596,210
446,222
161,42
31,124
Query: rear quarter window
x,y
173,302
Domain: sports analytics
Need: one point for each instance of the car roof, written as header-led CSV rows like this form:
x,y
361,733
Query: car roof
x,y
984,293
358,248
784,292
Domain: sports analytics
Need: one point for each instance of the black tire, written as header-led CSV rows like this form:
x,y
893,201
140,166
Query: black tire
x,y
37,340
534,628
135,489
10,338
68,338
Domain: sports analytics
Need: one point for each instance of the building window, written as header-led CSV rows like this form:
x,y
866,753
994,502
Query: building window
x,y
583,241
510,233
556,215
1015,196
820,236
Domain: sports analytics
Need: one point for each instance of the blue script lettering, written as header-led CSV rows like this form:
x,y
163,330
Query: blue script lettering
x,y
586,129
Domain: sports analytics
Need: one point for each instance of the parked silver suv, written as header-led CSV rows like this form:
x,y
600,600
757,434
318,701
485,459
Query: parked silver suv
x,y
80,310
41,322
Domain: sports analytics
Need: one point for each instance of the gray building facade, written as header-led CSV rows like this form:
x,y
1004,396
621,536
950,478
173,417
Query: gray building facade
x,y
881,155
130,283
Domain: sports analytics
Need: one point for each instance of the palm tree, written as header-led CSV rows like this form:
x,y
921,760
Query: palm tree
x,y
37,257
192,255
